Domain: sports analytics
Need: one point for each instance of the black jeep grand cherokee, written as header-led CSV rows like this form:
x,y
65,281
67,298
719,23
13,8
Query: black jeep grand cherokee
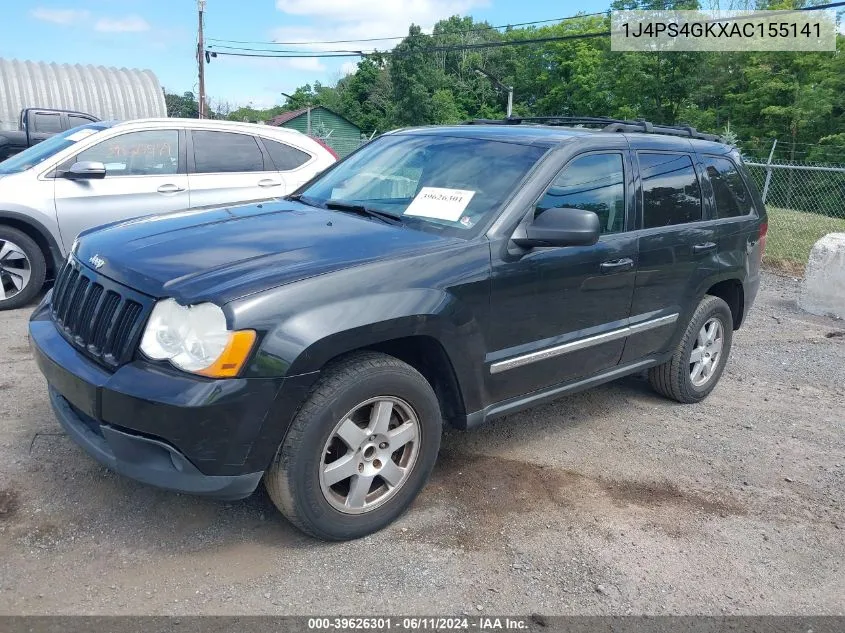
x,y
444,274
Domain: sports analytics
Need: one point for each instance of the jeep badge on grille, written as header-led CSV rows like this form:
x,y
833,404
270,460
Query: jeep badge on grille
x,y
97,262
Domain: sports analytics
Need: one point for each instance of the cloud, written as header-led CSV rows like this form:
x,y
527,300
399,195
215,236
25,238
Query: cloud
x,y
345,20
308,64
128,24
59,16
348,68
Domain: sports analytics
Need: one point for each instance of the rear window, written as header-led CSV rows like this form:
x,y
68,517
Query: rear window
x,y
284,156
47,123
671,193
729,191
221,152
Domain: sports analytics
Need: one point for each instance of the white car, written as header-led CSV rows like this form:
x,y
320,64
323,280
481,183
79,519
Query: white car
x,y
108,171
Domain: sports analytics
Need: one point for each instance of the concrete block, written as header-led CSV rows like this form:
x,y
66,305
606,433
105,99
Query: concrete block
x,y
823,289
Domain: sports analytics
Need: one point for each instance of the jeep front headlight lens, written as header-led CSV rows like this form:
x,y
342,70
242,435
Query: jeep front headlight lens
x,y
196,339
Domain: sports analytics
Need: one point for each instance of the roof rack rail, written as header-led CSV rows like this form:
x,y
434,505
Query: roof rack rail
x,y
607,124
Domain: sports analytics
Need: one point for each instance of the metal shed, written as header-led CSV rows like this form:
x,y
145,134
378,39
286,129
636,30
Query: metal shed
x,y
109,93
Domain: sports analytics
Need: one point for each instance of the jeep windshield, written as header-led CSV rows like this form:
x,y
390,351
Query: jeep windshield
x,y
449,185
37,154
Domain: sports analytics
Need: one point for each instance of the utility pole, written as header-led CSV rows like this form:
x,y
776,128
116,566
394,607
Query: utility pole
x,y
499,86
201,59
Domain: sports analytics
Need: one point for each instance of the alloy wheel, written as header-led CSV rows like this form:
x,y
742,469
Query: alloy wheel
x,y
704,358
15,269
370,455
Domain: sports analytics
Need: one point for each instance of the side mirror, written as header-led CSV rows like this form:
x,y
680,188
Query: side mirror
x,y
560,227
86,170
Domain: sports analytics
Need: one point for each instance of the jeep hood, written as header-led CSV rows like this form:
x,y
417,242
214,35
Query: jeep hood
x,y
222,254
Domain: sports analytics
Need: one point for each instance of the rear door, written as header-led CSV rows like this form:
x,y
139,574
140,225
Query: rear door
x,y
145,174
293,163
230,168
677,247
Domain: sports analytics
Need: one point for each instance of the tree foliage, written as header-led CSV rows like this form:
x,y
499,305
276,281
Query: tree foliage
x,y
796,97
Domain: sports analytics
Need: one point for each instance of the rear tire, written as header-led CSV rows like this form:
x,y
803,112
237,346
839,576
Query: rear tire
x,y
359,450
697,364
22,268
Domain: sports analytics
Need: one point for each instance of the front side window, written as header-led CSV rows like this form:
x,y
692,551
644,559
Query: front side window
x,y
223,152
671,193
594,183
148,153
444,184
729,191
284,156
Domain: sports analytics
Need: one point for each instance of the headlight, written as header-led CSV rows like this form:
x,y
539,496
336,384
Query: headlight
x,y
195,339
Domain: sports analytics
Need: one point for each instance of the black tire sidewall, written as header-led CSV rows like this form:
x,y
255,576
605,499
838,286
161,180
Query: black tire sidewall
x,y
37,264
303,470
715,308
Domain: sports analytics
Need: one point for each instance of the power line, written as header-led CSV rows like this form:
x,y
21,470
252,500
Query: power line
x,y
402,37
431,49
293,54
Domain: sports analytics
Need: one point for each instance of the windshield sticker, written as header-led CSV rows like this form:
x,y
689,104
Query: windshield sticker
x,y
81,134
441,204
467,221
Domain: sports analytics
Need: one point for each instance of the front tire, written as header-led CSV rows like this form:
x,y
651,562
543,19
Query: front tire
x,y
359,450
700,357
22,268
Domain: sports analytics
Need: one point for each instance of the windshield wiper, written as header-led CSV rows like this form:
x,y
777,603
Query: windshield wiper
x,y
360,209
299,197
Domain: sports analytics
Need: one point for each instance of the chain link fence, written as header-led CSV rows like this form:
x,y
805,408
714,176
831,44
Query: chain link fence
x,y
344,145
805,201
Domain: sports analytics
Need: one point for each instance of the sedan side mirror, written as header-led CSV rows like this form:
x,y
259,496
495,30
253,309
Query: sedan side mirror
x,y
560,227
86,170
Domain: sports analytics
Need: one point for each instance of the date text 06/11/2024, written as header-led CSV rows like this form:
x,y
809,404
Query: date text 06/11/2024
x,y
481,623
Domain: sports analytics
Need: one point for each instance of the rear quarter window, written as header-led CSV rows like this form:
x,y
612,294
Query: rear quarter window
x,y
284,156
730,193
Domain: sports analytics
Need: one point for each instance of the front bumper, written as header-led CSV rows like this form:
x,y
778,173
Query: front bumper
x,y
164,427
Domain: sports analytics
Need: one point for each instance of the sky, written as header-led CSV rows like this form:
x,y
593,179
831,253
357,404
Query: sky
x,y
161,35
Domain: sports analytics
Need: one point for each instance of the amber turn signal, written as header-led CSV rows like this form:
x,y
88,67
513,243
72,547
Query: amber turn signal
x,y
229,364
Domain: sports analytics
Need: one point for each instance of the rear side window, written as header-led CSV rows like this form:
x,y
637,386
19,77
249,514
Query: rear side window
x,y
48,123
221,152
671,193
284,156
729,190
594,183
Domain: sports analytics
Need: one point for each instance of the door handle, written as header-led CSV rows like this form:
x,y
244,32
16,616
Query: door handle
x,y
704,248
617,265
269,182
170,189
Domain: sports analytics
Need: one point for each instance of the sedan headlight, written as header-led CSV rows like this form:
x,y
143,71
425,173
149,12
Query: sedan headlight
x,y
195,339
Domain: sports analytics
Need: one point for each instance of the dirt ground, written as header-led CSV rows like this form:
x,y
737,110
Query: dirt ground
x,y
613,501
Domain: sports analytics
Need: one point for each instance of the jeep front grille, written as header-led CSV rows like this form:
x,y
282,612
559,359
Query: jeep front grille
x,y
96,315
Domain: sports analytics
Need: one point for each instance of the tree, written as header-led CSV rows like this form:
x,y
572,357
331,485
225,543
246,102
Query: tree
x,y
185,106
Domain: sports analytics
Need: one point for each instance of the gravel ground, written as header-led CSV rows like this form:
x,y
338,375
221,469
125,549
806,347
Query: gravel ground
x,y
613,501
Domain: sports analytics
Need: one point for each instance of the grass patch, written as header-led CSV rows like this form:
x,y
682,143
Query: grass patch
x,y
792,235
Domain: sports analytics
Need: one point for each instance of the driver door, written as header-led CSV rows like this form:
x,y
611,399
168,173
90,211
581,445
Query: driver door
x,y
550,297
145,174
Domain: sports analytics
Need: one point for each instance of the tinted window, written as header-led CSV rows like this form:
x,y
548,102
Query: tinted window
x,y
219,152
48,123
594,183
671,194
74,120
415,177
151,153
729,190
284,156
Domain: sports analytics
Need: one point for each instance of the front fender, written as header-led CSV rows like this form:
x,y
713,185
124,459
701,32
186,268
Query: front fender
x,y
305,341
